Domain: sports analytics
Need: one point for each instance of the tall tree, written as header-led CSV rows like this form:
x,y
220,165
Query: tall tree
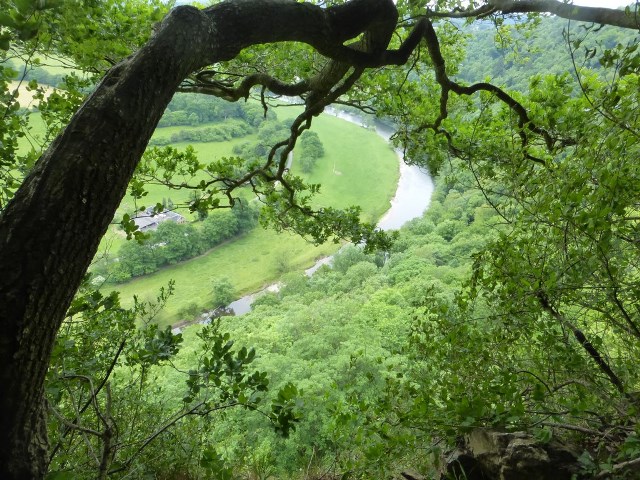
x,y
50,230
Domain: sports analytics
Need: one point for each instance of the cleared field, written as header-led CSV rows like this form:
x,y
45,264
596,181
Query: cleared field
x,y
25,96
250,262
359,168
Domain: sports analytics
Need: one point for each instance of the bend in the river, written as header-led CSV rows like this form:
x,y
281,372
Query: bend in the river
x,y
410,201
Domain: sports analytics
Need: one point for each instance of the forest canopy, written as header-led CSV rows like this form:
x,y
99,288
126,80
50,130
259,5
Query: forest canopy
x,y
533,324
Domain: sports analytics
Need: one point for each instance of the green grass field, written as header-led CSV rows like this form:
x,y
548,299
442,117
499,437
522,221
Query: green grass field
x,y
358,168
250,262
157,193
34,136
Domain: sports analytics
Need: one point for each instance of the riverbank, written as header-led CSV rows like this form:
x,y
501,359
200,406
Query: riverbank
x,y
415,185
369,178
413,195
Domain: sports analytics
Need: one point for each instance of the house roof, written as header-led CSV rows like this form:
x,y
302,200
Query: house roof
x,y
148,221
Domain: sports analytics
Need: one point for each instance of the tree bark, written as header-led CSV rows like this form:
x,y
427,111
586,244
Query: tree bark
x,y
605,16
51,229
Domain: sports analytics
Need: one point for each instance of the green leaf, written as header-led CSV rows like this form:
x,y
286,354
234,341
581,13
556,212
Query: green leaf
x,y
61,475
7,20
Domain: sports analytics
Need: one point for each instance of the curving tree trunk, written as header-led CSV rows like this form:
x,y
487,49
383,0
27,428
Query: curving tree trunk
x,y
51,229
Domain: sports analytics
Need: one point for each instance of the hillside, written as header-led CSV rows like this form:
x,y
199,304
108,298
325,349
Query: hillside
x,y
496,337
356,163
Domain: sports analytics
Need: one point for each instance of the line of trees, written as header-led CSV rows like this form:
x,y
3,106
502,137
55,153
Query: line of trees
x,y
42,75
174,242
268,133
193,109
311,149
228,130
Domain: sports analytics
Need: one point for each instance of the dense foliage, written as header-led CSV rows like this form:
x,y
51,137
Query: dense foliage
x,y
193,110
341,335
88,36
509,55
106,374
41,75
311,150
513,304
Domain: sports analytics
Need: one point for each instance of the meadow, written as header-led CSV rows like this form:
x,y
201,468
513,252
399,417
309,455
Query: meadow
x,y
358,168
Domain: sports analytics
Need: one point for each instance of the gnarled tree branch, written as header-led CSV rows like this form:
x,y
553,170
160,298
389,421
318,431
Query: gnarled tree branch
x,y
51,229
603,16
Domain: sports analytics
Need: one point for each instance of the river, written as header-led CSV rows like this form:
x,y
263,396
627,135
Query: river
x,y
412,198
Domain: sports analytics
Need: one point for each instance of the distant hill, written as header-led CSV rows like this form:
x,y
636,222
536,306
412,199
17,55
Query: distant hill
x,y
546,48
